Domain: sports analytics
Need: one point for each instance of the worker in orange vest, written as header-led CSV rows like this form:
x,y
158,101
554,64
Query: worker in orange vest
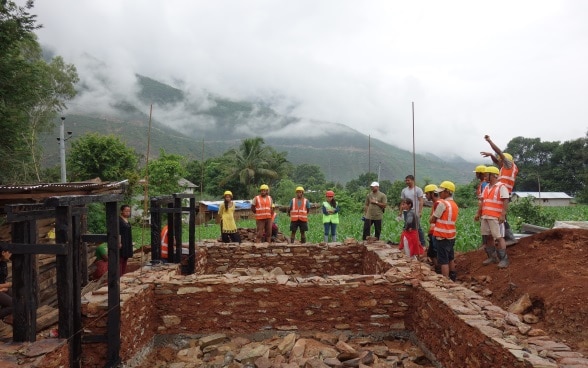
x,y
298,211
492,214
263,209
444,217
164,242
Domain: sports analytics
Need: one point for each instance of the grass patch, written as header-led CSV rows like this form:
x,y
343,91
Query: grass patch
x,y
351,226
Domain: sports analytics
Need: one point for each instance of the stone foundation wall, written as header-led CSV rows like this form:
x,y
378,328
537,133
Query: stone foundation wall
x,y
257,304
459,327
309,259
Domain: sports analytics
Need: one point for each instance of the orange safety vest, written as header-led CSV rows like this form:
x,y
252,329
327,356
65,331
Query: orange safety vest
x,y
492,204
263,207
445,225
164,241
508,176
299,213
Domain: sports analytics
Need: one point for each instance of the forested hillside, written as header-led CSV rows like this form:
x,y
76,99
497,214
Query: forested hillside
x,y
343,154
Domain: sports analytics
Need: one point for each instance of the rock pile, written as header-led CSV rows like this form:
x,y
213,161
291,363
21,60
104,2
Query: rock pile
x,y
318,349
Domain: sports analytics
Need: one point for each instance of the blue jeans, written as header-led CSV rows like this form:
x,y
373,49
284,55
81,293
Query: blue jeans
x,y
330,228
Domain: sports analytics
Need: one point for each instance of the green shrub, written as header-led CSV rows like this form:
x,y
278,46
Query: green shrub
x,y
524,210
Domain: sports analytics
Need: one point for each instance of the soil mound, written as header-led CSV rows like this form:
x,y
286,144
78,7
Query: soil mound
x,y
551,267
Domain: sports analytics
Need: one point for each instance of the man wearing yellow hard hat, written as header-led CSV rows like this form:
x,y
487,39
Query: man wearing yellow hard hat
x,y
508,174
444,217
263,208
298,211
492,214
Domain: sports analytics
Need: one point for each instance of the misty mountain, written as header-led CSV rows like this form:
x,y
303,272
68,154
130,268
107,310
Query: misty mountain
x,y
203,125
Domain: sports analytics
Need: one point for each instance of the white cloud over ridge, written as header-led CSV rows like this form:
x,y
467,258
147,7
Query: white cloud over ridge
x,y
503,68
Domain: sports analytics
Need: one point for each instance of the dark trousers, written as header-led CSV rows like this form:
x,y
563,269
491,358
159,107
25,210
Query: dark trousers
x,y
231,237
367,226
6,304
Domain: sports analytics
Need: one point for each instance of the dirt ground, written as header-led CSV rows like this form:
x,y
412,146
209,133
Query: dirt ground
x,y
552,268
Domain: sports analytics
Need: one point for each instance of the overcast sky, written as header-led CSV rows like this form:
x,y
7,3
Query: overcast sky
x,y
503,68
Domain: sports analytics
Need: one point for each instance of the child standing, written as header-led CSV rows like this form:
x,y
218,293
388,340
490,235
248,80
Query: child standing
x,y
409,239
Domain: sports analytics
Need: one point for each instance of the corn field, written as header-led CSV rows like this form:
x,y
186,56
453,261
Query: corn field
x,y
351,226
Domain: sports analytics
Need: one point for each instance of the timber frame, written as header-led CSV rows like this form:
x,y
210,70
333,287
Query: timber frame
x,y
71,265
172,205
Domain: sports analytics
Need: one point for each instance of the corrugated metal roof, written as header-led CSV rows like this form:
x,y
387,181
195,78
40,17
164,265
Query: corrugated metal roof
x,y
543,195
36,193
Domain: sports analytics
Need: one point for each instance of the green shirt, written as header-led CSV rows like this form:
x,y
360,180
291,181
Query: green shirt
x,y
375,212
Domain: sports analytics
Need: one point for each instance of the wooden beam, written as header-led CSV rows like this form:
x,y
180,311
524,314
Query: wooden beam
x,y
72,200
58,249
94,238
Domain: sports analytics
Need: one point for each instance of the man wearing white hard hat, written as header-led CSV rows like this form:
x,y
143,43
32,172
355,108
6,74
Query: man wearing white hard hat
x,y
375,204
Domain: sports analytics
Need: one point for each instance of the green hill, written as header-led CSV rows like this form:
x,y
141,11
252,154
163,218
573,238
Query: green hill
x,y
343,154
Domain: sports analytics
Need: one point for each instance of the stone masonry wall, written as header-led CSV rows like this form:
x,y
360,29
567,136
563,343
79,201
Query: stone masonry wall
x,y
302,259
457,325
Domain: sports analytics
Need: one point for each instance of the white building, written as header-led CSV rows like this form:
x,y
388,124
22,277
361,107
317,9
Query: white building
x,y
545,198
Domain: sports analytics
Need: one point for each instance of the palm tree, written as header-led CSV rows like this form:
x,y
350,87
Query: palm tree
x,y
250,163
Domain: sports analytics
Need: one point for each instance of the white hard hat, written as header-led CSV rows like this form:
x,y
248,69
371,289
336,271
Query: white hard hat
x,y
374,184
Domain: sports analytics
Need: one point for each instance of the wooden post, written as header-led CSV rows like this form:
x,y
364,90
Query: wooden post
x,y
171,238
64,267
178,229
24,284
76,255
192,237
113,319
155,230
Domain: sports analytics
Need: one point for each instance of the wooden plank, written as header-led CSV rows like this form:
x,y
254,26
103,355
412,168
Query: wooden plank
x,y
91,339
79,200
532,229
20,248
47,316
94,238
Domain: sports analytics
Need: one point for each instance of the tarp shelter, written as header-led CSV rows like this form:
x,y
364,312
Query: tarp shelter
x,y
209,209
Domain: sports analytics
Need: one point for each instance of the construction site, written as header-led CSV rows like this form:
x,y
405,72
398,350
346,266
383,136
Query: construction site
x,y
347,304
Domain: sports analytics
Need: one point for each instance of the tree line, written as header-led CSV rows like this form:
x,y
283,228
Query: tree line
x,y
242,170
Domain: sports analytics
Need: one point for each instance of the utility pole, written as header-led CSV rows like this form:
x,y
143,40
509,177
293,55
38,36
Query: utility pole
x,y
379,168
61,141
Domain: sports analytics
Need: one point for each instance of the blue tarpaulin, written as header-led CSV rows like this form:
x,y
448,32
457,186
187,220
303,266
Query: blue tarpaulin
x,y
239,205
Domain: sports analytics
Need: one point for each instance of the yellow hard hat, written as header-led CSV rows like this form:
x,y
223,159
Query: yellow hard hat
x,y
507,156
264,187
430,188
446,185
228,192
299,189
492,170
480,169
